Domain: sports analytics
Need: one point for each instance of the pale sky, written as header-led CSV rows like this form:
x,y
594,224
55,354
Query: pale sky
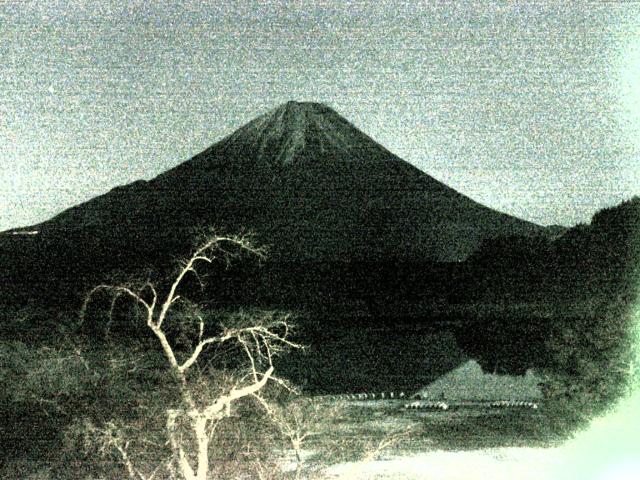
x,y
532,108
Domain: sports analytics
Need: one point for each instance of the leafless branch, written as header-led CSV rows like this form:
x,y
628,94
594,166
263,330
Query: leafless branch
x,y
261,340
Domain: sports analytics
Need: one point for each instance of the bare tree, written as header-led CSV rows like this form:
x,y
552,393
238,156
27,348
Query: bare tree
x,y
261,339
296,422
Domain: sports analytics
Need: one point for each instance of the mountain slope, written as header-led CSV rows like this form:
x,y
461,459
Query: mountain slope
x,y
308,183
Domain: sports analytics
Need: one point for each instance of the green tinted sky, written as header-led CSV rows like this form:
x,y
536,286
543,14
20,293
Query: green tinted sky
x,y
529,107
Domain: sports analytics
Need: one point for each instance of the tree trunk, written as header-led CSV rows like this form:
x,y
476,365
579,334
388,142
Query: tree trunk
x,y
199,428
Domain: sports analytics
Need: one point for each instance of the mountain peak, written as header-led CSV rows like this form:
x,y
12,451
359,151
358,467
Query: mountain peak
x,y
294,115
297,132
294,104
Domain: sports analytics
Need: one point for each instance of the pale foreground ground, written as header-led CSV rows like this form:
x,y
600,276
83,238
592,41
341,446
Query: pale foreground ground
x,y
608,450
495,464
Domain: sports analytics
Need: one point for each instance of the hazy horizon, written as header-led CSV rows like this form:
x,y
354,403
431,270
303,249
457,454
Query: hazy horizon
x,y
529,108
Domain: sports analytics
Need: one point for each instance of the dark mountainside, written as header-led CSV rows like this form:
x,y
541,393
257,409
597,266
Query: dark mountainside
x,y
307,182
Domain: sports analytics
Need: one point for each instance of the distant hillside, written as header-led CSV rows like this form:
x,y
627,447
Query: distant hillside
x,y
469,382
584,265
564,304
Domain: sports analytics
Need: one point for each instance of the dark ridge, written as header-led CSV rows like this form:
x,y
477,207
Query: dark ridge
x,y
307,182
